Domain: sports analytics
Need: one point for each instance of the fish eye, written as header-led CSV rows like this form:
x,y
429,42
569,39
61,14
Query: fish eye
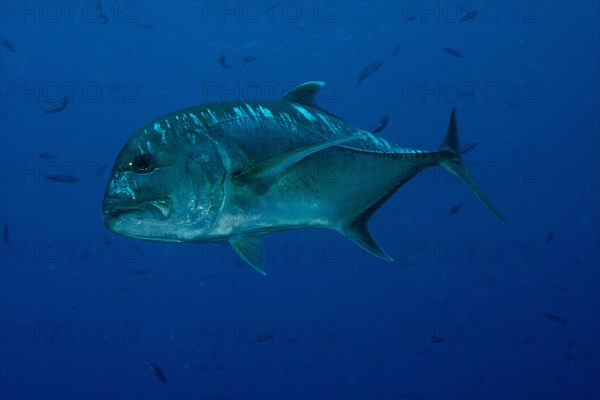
x,y
143,164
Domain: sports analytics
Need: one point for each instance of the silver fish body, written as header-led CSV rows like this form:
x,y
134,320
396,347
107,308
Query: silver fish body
x,y
234,171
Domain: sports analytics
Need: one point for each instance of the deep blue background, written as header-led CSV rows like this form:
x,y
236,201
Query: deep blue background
x,y
363,326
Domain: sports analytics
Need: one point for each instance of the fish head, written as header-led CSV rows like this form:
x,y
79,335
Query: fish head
x,y
165,185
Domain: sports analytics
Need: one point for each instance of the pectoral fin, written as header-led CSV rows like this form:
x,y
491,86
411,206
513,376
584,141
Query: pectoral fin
x,y
264,174
250,249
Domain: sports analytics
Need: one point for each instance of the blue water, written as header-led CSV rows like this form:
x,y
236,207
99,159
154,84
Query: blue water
x,y
469,309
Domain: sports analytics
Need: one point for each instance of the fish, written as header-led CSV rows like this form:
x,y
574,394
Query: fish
x,y
468,147
103,18
468,16
381,124
59,107
223,62
247,60
489,280
145,26
549,238
558,287
228,172
556,318
7,45
422,352
368,70
559,378
158,373
5,234
452,52
100,170
125,289
396,50
436,339
264,338
62,178
455,208
182,346
140,271
46,156
578,262
513,104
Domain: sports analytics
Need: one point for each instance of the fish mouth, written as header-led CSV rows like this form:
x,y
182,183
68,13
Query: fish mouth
x,y
159,208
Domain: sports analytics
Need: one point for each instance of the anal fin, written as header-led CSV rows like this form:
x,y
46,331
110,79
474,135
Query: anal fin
x,y
357,229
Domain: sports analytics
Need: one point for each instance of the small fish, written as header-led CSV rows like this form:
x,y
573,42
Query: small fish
x,y
436,339
247,60
145,26
368,70
529,339
550,237
489,280
125,289
158,373
102,16
558,287
101,170
8,46
559,378
46,156
421,352
573,345
396,50
264,338
468,147
62,178
59,107
452,52
513,104
5,234
578,262
381,124
140,271
182,346
556,318
223,62
456,208
468,16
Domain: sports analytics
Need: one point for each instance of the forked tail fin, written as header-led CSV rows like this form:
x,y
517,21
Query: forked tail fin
x,y
452,162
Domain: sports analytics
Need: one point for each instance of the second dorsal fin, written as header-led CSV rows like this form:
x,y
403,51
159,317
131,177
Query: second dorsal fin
x,y
306,95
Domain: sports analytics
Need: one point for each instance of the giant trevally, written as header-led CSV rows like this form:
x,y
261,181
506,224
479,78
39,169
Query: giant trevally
x,y
235,171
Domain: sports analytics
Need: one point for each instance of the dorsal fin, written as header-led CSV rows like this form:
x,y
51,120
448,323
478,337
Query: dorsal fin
x,y
306,94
